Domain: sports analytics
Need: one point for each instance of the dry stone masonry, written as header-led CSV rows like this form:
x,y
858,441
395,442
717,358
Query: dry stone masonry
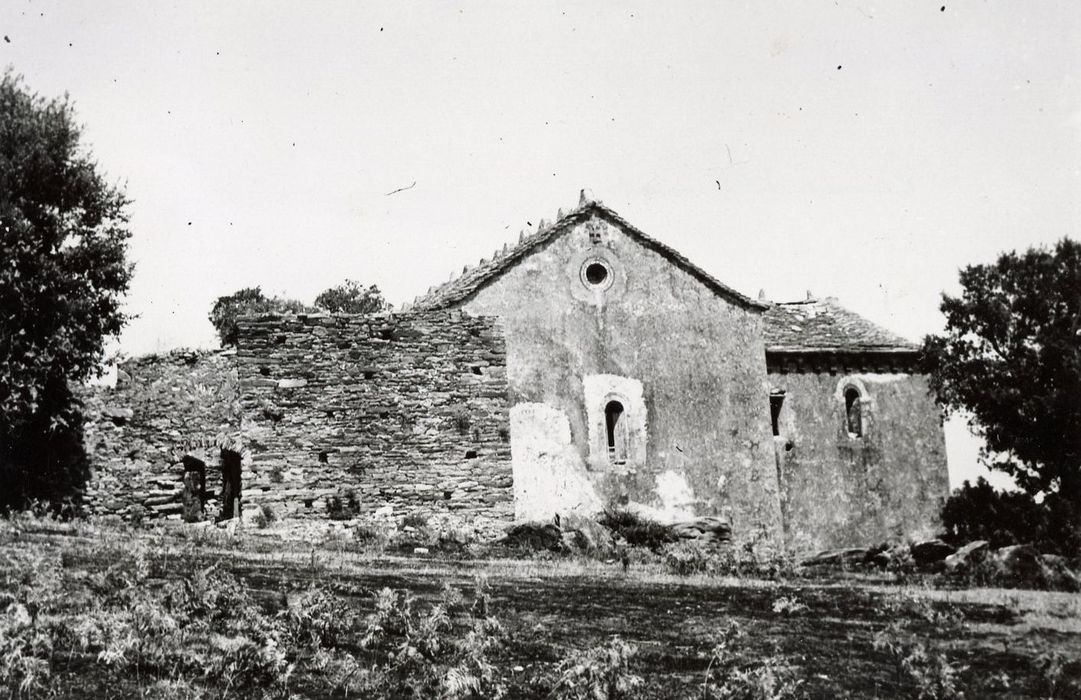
x,y
350,415
167,415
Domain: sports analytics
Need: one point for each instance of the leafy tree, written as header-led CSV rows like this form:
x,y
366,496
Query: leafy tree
x,y
250,300
352,298
63,271
1011,359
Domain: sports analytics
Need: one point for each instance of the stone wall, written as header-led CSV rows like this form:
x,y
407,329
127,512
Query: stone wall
x,y
687,366
841,490
163,408
350,415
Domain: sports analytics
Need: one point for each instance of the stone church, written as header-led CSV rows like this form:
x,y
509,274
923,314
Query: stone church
x,y
589,366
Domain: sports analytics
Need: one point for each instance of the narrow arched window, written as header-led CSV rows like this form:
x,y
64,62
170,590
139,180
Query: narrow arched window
x,y
776,401
853,412
616,430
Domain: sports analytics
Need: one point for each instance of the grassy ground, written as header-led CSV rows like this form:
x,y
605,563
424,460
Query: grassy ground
x,y
846,637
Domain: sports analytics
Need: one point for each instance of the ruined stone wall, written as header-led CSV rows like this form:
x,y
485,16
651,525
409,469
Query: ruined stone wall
x,y
163,408
842,491
688,366
346,415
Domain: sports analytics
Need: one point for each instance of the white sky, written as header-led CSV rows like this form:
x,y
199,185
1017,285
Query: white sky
x,y
863,150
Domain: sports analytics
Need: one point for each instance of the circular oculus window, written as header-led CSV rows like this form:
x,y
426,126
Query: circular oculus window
x,y
596,274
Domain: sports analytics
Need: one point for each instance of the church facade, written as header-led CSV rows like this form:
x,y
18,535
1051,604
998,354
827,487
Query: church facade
x,y
590,366
635,377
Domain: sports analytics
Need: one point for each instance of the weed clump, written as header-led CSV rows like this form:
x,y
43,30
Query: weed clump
x,y
637,530
726,677
600,672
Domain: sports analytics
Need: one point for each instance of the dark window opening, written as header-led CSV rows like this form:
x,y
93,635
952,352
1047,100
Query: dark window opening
x,y
230,484
776,401
368,374
616,429
193,497
323,457
477,370
385,333
265,371
596,273
853,412
471,454
446,495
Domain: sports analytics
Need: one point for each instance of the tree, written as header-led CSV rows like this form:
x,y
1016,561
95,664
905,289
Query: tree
x,y
1011,359
352,298
250,300
63,272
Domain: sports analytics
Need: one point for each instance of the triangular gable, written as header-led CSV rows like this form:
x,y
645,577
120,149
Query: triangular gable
x,y
476,278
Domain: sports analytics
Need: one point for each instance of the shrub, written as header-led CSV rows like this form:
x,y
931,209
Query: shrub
x,y
929,670
316,619
25,651
600,673
934,676
248,301
768,678
686,558
264,516
786,605
416,520
419,652
638,530
981,512
370,536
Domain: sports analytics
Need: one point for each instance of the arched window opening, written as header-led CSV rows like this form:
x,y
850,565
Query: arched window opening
x,y
776,401
616,429
853,412
193,496
230,484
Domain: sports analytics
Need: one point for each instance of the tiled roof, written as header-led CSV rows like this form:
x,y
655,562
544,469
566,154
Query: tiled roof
x,y
473,279
823,325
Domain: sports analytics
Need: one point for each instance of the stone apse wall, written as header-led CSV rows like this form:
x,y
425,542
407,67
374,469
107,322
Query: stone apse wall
x,y
841,490
345,415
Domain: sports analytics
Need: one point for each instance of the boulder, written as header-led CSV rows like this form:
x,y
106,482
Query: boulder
x,y
965,557
118,415
930,552
853,556
887,556
705,528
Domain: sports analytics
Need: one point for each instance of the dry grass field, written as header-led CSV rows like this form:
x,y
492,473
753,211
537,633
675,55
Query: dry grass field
x,y
107,611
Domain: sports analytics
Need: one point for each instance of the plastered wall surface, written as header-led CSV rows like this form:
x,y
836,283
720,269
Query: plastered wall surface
x,y
842,491
698,358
